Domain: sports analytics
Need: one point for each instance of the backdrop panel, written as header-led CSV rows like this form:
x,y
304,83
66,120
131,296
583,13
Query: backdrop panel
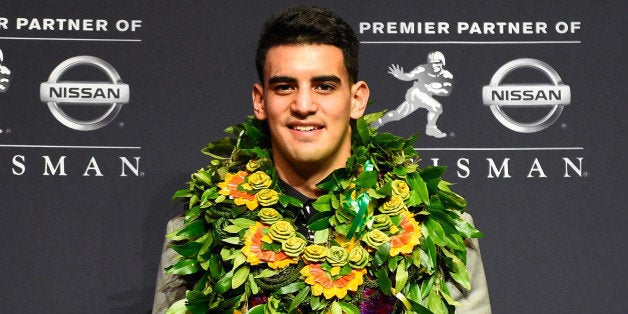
x,y
86,175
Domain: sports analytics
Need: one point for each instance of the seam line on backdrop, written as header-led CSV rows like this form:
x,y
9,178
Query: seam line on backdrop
x,y
497,148
70,146
474,42
72,39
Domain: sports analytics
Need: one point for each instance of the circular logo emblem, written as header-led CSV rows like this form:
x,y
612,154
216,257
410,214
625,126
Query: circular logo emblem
x,y
113,95
555,95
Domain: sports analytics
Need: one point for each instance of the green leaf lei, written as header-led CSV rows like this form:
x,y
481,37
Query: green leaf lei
x,y
382,222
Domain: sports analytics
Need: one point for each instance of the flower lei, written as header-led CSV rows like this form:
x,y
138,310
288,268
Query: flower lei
x,y
383,222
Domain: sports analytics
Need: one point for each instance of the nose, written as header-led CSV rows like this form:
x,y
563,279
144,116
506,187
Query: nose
x,y
304,104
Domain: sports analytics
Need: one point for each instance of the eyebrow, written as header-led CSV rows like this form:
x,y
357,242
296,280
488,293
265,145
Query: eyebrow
x,y
288,79
326,78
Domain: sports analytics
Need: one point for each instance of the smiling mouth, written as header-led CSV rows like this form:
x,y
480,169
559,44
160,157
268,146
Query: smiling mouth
x,y
305,128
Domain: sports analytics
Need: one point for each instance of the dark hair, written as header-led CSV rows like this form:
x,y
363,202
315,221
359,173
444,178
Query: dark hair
x,y
308,25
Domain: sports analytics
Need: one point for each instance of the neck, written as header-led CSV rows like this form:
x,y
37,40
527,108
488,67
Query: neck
x,y
304,178
303,181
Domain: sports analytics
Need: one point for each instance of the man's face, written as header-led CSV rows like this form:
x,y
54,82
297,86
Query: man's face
x,y
437,66
308,102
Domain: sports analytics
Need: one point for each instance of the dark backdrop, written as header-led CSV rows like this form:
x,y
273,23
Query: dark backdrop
x,y
76,242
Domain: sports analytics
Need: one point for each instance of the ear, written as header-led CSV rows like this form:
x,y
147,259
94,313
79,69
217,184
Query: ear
x,y
258,101
359,98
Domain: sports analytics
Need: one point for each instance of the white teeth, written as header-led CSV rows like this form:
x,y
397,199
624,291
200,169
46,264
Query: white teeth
x,y
305,128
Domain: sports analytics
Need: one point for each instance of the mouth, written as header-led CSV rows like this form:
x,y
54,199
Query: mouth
x,y
305,127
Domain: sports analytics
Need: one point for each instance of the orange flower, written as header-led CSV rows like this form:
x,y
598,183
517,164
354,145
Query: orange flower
x,y
322,283
229,187
255,254
408,238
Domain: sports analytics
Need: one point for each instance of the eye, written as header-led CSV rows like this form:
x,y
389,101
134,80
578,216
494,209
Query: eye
x,y
283,88
326,87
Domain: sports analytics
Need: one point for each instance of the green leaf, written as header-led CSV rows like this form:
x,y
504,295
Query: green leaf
x,y
240,277
320,221
215,267
238,259
232,240
455,241
321,236
316,303
254,133
224,283
299,298
192,231
430,248
335,308
266,273
242,222
393,263
187,250
291,288
427,286
382,254
432,172
414,293
364,131
451,199
367,179
183,267
275,247
258,309
372,117
435,303
183,193
448,298
467,229
401,276
286,200
418,187
193,200
385,284
349,308
197,302
435,231
220,149
254,287
232,229
178,307
459,270
333,181
323,203
192,213
426,260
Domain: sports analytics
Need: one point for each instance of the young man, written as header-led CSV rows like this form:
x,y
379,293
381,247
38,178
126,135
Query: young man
x,y
307,61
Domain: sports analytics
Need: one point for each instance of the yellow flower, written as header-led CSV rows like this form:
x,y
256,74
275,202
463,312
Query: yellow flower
x,y
281,231
267,197
337,256
375,238
315,253
323,284
259,180
294,246
255,254
393,206
269,215
229,187
253,165
401,188
408,237
382,222
358,257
